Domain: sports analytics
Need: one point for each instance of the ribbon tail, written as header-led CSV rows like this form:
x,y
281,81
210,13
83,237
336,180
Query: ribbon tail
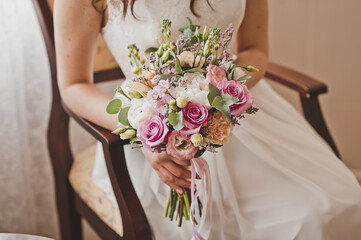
x,y
200,165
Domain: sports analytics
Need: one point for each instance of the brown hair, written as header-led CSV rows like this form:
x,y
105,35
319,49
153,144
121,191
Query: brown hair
x,y
127,3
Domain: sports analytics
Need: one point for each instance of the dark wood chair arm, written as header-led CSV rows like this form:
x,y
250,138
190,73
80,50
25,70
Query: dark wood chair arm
x,y
297,81
135,223
108,75
102,135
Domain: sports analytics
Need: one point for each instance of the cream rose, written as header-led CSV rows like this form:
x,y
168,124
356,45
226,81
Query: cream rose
x,y
186,59
139,111
219,129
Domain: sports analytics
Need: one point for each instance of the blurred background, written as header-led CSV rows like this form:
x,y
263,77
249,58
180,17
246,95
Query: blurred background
x,y
320,38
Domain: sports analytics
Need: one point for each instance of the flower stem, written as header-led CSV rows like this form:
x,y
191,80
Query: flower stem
x,y
166,209
174,204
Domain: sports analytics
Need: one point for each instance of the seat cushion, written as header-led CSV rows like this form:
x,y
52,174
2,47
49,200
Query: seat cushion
x,y
81,180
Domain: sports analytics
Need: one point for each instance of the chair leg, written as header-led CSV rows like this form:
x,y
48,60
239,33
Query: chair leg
x,y
313,114
69,219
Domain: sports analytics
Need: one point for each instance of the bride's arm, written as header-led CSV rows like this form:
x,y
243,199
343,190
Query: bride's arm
x,y
77,25
252,39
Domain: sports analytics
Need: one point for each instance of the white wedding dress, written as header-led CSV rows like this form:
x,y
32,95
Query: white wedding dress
x,y
276,180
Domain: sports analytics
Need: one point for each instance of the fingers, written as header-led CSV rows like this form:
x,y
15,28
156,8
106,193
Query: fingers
x,y
178,171
180,162
168,178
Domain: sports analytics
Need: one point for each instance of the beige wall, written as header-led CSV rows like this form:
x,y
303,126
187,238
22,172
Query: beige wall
x,y
323,39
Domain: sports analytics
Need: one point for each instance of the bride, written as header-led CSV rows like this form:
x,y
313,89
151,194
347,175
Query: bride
x,y
277,179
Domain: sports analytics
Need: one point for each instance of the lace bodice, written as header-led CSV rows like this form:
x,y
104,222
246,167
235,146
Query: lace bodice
x,y
145,32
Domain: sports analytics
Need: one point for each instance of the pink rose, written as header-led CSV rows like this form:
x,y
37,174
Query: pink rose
x,y
195,116
153,132
238,90
180,146
215,74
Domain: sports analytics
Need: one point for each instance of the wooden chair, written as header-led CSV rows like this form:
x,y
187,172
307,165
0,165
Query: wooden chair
x,y
71,207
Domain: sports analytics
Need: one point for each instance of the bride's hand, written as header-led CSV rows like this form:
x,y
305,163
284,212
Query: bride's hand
x,y
170,170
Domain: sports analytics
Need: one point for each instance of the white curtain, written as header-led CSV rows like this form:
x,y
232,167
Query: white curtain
x,y
26,183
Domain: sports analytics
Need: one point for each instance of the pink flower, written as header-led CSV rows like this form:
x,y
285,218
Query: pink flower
x,y
216,74
195,116
153,132
180,146
240,91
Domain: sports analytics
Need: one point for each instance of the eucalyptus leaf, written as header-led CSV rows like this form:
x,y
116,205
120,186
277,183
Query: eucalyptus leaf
x,y
188,21
181,29
192,41
188,33
123,116
114,106
213,92
199,153
176,120
151,49
229,100
220,104
193,70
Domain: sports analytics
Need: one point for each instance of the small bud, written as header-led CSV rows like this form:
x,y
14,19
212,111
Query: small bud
x,y
128,134
119,130
250,68
165,56
206,48
134,94
197,33
173,102
205,34
181,102
160,50
196,139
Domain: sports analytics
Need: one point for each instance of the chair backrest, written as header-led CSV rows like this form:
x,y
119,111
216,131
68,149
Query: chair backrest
x,y
105,69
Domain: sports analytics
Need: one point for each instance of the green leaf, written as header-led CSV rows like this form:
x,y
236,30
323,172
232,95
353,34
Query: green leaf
x,y
181,29
199,153
213,92
188,21
151,49
169,76
193,70
220,104
192,41
229,100
123,116
188,33
217,145
178,67
114,106
134,140
176,120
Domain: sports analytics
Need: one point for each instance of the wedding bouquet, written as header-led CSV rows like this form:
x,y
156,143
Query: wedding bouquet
x,y
186,100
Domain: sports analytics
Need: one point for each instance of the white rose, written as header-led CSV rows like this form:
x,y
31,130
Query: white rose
x,y
139,111
196,89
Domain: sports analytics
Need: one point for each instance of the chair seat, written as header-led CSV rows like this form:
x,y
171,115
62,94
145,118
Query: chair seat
x,y
80,178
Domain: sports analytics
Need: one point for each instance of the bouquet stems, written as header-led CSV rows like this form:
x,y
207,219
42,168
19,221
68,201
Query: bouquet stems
x,y
178,206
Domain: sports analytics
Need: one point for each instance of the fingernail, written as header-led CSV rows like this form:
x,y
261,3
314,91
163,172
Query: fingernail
x,y
180,191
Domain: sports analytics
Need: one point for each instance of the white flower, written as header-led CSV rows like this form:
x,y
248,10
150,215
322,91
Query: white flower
x,y
139,111
238,72
196,89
